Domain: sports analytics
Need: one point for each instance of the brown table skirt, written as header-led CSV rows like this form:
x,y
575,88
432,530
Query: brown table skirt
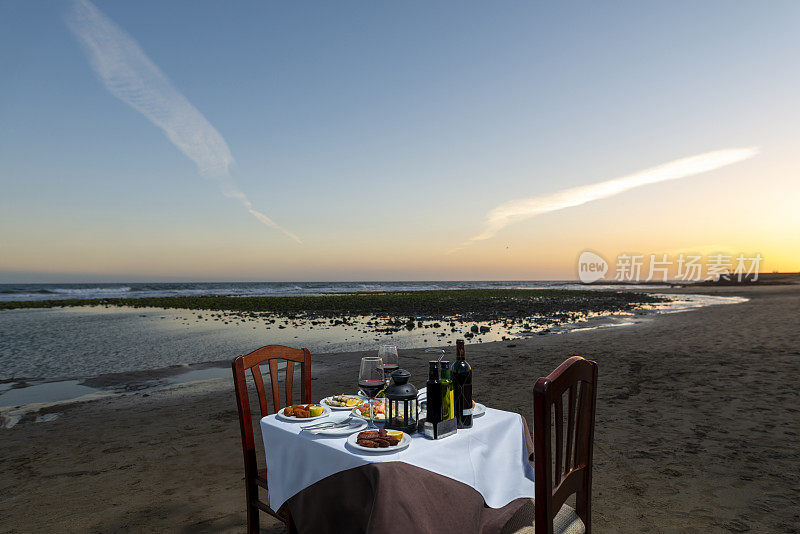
x,y
391,497
395,497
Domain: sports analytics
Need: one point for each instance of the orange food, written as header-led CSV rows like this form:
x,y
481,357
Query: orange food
x,y
396,434
301,411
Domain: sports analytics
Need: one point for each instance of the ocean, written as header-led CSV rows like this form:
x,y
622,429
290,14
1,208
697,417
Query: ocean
x,y
27,292
18,292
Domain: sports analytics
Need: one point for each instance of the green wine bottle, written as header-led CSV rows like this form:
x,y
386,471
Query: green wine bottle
x,y
448,402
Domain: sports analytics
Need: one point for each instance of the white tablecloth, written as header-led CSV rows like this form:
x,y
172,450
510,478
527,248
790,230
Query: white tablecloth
x,y
491,457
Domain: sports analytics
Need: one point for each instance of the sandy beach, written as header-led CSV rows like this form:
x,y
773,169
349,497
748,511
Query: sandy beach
x,y
696,431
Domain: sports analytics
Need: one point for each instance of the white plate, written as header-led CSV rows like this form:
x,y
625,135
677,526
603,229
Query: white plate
x,y
341,431
324,402
404,443
325,413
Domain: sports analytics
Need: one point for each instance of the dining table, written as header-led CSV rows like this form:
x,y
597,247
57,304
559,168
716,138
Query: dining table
x,y
471,481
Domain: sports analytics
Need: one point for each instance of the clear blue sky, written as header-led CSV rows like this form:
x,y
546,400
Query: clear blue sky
x,y
382,133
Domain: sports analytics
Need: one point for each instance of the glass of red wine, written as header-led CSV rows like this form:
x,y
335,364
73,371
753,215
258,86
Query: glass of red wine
x,y
388,353
371,380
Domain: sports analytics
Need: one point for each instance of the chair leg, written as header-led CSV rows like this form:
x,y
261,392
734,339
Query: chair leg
x,y
583,507
290,527
252,519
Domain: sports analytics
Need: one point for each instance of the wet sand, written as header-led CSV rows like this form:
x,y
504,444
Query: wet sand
x,y
697,420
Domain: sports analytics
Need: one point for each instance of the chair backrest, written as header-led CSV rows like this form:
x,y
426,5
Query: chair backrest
x,y
567,468
270,354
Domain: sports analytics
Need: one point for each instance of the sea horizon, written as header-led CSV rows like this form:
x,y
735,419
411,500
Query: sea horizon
x,y
110,290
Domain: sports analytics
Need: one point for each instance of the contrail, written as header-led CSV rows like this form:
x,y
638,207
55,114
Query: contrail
x,y
131,76
518,210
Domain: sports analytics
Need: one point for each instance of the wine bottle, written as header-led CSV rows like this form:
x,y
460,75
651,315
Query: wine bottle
x,y
448,404
462,385
434,387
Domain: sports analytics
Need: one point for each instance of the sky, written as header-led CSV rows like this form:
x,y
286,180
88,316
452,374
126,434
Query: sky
x,y
392,141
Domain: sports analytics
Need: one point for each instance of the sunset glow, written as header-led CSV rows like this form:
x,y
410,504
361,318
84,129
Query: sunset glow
x,y
500,154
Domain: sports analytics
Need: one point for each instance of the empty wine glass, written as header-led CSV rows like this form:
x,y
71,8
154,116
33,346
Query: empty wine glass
x,y
391,363
371,380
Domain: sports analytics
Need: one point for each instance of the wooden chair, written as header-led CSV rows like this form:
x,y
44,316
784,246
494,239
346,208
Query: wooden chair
x,y
567,468
271,354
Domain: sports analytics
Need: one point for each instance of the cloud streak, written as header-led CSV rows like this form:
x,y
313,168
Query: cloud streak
x,y
521,209
132,77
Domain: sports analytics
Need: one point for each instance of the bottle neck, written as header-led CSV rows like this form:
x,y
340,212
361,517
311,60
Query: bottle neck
x,y
433,371
460,350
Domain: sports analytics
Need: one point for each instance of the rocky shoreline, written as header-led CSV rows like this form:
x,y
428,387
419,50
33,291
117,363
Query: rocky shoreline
x,y
451,311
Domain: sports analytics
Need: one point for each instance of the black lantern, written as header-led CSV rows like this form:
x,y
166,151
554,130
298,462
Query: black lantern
x,y
402,410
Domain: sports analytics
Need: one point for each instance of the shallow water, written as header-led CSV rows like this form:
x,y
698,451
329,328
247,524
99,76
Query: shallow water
x,y
45,392
54,348
88,341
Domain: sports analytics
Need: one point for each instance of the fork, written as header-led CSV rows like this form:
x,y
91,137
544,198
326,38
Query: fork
x,y
327,424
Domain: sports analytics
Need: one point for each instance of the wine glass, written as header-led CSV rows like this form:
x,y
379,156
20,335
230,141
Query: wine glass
x,y
388,353
370,380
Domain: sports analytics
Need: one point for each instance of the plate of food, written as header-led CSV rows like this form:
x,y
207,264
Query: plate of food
x,y
341,402
378,410
303,412
379,441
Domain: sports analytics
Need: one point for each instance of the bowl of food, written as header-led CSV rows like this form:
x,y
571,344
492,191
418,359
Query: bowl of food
x,y
378,410
341,402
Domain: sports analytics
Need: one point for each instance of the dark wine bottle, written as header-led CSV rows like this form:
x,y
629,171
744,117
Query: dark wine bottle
x,y
434,387
448,404
462,386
